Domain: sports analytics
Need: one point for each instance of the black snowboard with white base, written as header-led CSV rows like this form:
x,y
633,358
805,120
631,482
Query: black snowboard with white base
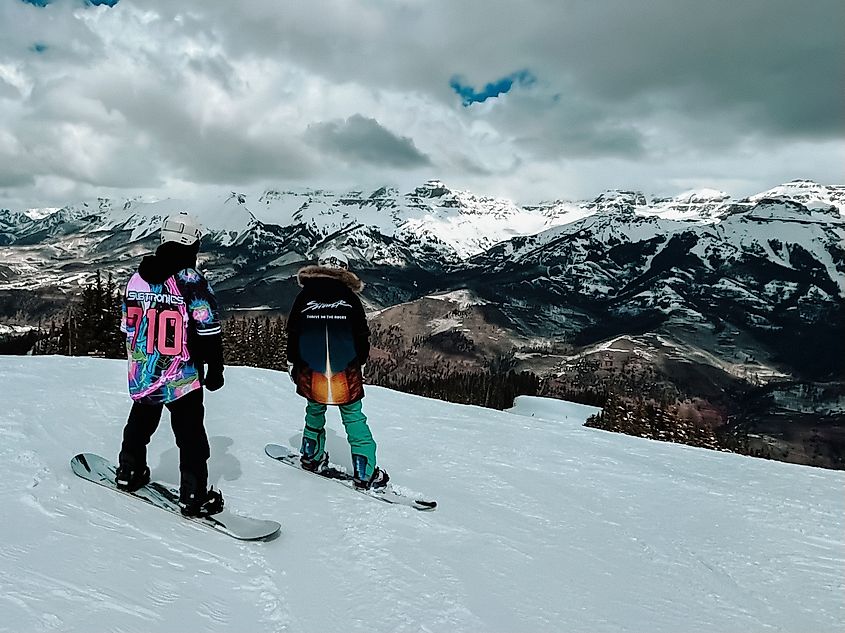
x,y
101,471
288,456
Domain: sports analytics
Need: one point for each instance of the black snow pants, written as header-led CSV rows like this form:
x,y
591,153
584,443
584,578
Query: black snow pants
x,y
186,418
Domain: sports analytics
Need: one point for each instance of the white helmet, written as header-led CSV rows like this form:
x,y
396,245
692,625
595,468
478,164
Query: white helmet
x,y
181,228
333,258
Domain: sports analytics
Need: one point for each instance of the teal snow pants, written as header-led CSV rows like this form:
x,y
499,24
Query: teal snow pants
x,y
358,434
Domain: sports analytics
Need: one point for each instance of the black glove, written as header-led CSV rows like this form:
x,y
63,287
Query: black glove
x,y
214,378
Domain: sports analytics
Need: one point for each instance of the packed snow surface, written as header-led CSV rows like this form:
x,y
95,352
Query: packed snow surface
x,y
542,525
559,411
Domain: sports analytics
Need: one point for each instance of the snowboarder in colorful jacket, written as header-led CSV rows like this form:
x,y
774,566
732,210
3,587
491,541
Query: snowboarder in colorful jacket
x,y
328,343
172,326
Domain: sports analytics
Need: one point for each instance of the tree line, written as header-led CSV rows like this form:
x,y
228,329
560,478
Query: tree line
x,y
89,327
494,385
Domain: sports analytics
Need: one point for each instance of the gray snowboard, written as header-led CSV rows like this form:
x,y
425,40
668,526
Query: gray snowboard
x,y
288,456
102,471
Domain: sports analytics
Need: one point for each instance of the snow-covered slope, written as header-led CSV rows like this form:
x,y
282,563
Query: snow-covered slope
x,y
560,411
542,525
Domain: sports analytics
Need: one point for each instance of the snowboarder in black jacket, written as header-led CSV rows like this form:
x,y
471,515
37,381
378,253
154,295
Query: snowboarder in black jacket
x,y
328,343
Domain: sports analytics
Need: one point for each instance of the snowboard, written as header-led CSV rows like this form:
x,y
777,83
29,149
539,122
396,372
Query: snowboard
x,y
101,471
291,457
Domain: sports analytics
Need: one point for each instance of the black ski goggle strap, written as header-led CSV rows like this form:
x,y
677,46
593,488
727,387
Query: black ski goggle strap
x,y
179,227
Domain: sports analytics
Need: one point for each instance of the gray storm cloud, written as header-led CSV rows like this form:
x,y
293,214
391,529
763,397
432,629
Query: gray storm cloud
x,y
668,93
362,139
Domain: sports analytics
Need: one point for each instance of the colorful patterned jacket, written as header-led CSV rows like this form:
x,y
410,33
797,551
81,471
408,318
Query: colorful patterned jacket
x,y
172,326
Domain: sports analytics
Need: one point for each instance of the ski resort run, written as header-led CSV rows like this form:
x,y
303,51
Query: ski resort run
x,y
542,524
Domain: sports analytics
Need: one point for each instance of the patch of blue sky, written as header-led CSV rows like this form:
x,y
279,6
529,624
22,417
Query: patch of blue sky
x,y
470,95
96,3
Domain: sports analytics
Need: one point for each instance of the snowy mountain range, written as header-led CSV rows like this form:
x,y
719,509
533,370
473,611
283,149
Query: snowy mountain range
x,y
770,260
543,525
708,288
431,229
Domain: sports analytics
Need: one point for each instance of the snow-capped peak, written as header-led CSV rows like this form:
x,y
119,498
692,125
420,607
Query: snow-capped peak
x,y
807,192
694,205
40,213
701,195
432,189
619,201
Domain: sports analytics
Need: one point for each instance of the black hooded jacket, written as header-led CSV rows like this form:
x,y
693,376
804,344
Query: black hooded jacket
x,y
328,337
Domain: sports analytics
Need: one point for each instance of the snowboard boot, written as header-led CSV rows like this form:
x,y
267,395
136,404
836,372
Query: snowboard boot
x,y
129,480
307,460
377,481
194,506
314,465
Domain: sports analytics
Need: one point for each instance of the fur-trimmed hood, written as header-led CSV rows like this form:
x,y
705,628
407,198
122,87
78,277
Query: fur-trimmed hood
x,y
348,278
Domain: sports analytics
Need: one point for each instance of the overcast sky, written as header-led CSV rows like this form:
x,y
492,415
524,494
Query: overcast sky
x,y
528,99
